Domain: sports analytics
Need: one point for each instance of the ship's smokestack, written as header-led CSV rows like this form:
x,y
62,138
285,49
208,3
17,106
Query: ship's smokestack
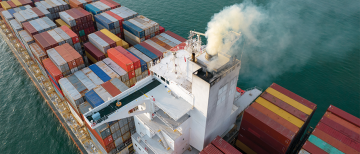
x,y
208,56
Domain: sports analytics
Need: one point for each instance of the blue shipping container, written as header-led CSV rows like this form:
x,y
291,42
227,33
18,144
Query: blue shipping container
x,y
323,145
92,9
133,29
104,21
93,98
22,8
12,11
100,73
77,84
142,62
146,52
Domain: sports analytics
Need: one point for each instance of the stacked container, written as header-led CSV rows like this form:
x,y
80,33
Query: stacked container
x,y
165,42
137,65
98,7
139,29
75,42
144,60
124,62
337,132
80,22
39,25
93,53
275,122
219,146
117,69
117,39
38,53
54,7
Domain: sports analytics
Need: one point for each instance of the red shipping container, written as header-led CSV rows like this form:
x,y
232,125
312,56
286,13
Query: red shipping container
x,y
112,6
121,60
275,117
108,140
342,122
73,36
75,4
256,148
38,12
224,146
211,149
87,14
161,29
131,74
271,127
29,28
110,147
332,141
56,86
342,114
94,52
127,54
116,17
152,49
66,56
11,4
181,39
313,149
294,96
108,40
44,45
53,71
74,54
339,136
340,128
260,138
82,16
285,106
115,3
74,15
110,88
49,39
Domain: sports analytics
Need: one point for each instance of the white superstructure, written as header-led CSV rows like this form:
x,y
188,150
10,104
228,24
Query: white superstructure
x,y
189,99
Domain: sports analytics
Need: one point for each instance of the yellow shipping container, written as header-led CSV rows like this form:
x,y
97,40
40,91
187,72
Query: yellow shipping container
x,y
112,36
17,3
5,5
289,100
125,44
282,113
244,148
60,23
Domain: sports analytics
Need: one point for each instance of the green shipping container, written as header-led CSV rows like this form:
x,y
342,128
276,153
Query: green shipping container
x,y
323,145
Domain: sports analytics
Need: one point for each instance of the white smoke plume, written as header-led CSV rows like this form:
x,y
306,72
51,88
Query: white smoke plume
x,y
282,36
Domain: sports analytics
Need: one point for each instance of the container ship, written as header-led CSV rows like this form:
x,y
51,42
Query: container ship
x,y
119,83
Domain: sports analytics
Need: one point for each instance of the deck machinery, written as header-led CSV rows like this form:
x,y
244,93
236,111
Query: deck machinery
x,y
189,99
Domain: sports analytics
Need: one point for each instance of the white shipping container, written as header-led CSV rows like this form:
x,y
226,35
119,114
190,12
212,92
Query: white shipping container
x,y
170,38
107,8
15,25
67,19
107,70
143,27
31,13
141,56
104,95
26,37
16,9
64,36
45,11
36,26
92,76
85,80
43,24
117,69
19,18
27,6
47,6
112,19
56,37
58,60
70,92
99,43
148,23
49,22
25,15
7,15
37,51
156,46
131,38
168,42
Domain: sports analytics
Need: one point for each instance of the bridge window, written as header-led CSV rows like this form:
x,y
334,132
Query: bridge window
x,y
162,78
222,94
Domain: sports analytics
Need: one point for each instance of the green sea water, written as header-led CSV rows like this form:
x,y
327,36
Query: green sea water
x,y
328,73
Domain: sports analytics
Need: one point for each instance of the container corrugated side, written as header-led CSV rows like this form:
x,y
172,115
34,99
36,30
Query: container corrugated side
x,y
131,38
111,43
346,116
92,76
107,70
170,38
224,146
248,146
146,52
116,68
141,56
135,60
15,25
85,80
94,52
168,42
52,70
111,89
99,43
313,149
100,73
80,87
93,98
121,60
38,52
133,29
18,17
49,22
63,35
26,37
323,145
161,43
70,92
43,24
152,49
75,55
342,122
67,57
108,24
56,37
211,149
119,85
156,46
112,36
58,61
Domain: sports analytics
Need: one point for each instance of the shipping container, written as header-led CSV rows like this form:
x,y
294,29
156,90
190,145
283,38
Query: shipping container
x,y
117,69
339,127
181,39
344,115
59,61
52,70
15,25
111,89
99,43
152,49
313,149
73,36
161,43
85,80
56,37
100,73
5,5
342,122
67,57
131,38
147,53
80,87
323,145
142,56
64,36
70,92
211,149
157,46
116,39
26,37
41,41
49,22
49,39
170,38
106,39
121,60
19,18
119,85
93,98
76,56
161,29
248,146
104,95
92,76
224,146
60,22
93,52
39,54
107,70
168,42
